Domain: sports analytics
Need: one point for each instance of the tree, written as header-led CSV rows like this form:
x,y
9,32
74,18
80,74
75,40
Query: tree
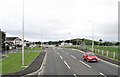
x,y
38,43
117,43
100,40
107,43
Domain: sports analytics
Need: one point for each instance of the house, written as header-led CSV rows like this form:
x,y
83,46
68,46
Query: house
x,y
13,41
66,44
2,41
26,43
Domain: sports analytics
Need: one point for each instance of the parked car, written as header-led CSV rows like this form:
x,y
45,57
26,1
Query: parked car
x,y
89,56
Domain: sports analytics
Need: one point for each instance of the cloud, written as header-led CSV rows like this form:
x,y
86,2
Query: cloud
x,y
54,19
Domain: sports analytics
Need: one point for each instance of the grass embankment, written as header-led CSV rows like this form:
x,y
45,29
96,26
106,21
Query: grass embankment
x,y
110,49
13,62
107,48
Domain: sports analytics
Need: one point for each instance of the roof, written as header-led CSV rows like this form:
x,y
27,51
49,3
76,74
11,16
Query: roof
x,y
11,38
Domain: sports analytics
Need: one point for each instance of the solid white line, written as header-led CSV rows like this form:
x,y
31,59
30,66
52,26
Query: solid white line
x,y
39,70
100,59
67,64
85,64
102,74
109,63
73,56
61,57
75,75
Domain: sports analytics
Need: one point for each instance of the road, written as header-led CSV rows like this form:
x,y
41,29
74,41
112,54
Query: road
x,y
69,62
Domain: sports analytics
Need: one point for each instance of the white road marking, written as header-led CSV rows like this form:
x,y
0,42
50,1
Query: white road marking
x,y
67,53
57,53
67,64
100,59
78,50
61,57
109,63
85,64
75,75
73,56
62,51
102,74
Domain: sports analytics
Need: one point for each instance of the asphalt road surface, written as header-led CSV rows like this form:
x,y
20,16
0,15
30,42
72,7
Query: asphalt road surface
x,y
69,62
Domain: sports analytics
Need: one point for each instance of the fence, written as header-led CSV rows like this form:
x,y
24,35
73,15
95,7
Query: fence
x,y
110,54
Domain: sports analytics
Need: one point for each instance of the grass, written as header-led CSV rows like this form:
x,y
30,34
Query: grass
x,y
107,48
110,50
13,62
35,48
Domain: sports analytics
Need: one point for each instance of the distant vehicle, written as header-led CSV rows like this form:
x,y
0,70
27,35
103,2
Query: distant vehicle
x,y
47,47
57,45
89,56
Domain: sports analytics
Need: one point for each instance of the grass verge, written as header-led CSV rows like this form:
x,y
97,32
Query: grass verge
x,y
13,62
110,56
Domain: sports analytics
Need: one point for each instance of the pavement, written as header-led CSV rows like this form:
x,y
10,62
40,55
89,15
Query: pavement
x,y
34,66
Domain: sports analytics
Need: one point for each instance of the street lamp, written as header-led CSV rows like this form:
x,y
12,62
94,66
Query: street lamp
x,y
23,36
92,35
70,40
77,41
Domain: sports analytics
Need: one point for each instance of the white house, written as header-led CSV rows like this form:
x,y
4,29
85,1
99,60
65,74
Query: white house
x,y
13,40
66,44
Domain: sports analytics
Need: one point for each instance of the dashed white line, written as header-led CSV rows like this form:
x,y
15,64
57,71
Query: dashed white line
x,y
85,64
67,53
61,57
57,53
75,75
100,59
102,74
73,56
67,64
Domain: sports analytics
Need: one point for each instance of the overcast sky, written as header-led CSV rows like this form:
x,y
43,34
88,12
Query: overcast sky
x,y
60,19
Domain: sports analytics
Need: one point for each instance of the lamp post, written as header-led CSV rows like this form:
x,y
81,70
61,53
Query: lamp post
x,y
77,41
70,40
92,35
23,35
